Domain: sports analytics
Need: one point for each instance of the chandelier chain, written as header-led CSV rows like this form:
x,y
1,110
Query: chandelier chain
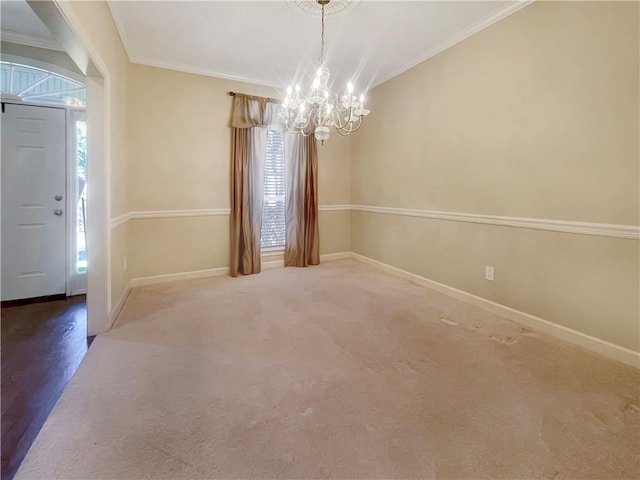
x,y
322,38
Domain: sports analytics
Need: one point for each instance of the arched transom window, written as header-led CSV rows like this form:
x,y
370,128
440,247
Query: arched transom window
x,y
33,84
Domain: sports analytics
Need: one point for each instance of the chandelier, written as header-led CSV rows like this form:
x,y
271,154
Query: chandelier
x,y
320,109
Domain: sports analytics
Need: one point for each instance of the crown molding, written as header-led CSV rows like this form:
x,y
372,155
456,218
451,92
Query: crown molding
x,y
30,40
468,31
179,67
117,20
463,34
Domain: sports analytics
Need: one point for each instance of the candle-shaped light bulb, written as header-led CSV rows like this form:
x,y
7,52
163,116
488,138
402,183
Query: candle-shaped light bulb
x,y
361,100
350,87
289,91
316,83
319,72
298,88
302,107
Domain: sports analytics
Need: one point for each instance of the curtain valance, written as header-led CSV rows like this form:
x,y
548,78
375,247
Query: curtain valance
x,y
250,111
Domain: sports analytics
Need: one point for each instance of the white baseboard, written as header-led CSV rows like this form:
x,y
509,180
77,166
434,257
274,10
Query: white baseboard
x,y
216,272
212,272
170,277
273,264
593,344
329,257
115,311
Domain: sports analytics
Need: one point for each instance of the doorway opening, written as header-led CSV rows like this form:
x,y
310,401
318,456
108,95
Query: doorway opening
x,y
44,182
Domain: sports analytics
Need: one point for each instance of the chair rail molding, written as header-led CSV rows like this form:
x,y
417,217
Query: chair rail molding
x,y
564,226
199,212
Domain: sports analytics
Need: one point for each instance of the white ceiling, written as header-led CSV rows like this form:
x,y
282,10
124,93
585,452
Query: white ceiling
x,y
272,43
18,24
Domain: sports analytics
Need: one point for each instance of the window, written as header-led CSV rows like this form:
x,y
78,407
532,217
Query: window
x,y
80,127
273,223
36,85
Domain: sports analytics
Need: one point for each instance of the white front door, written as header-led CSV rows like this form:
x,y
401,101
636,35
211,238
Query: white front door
x,y
33,201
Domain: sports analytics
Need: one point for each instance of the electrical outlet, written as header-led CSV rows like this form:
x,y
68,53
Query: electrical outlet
x,y
125,264
488,272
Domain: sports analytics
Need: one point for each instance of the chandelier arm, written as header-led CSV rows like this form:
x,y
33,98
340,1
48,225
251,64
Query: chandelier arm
x,y
301,129
290,129
337,119
343,123
291,126
346,131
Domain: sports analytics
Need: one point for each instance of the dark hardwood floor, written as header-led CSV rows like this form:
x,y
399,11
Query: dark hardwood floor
x,y
42,346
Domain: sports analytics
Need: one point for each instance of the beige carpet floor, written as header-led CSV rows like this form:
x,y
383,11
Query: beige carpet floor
x,y
336,371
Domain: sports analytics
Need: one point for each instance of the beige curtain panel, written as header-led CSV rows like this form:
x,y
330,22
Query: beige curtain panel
x,y
249,142
251,118
302,244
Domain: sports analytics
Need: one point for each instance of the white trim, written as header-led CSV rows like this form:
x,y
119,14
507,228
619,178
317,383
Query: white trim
x,y
180,67
76,282
217,272
30,40
117,19
329,257
463,34
115,311
333,208
170,277
119,220
211,272
50,68
593,344
564,226
99,305
273,264
468,31
202,212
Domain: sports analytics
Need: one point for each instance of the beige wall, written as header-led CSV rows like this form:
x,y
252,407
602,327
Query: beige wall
x,y
535,116
179,144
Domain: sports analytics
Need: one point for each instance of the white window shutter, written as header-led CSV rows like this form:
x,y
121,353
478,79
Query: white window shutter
x,y
273,222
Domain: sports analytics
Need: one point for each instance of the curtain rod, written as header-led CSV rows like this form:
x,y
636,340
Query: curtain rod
x,y
268,99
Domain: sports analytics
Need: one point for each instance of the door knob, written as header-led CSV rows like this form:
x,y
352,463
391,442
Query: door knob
x,y
57,211
58,197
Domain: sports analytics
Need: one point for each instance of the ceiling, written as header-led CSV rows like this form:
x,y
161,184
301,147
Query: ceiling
x,y
276,43
20,25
